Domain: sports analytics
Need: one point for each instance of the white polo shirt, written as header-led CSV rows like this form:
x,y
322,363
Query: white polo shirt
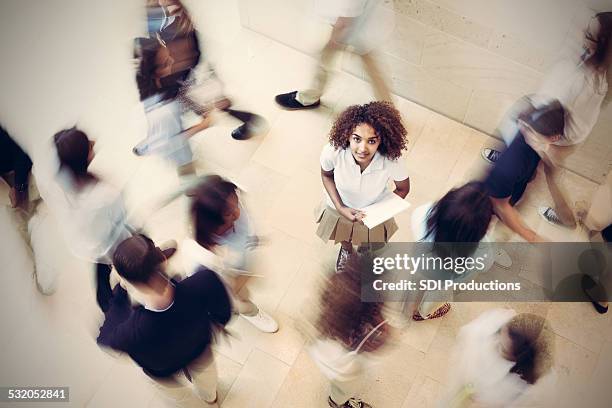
x,y
357,189
574,86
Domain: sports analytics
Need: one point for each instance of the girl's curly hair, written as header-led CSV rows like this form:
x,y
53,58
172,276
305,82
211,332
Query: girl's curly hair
x,y
384,119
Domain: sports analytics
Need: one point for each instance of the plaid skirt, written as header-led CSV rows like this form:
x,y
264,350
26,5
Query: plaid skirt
x,y
333,226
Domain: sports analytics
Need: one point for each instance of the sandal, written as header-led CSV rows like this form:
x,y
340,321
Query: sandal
x,y
439,312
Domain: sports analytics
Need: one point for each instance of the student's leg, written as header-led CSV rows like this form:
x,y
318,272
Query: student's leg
x,y
313,93
46,253
342,392
562,209
338,393
203,373
326,57
600,214
104,292
240,298
176,391
379,82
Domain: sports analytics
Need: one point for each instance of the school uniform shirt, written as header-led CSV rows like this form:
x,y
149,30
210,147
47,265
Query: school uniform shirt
x,y
580,93
163,342
93,219
480,373
230,253
513,171
164,130
357,189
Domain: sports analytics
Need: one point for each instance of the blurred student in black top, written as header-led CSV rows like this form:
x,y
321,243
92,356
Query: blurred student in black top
x,y
507,181
14,160
169,334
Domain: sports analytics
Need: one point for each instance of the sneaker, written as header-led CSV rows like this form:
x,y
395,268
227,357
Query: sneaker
x,y
351,403
288,101
490,155
550,215
141,148
343,257
262,321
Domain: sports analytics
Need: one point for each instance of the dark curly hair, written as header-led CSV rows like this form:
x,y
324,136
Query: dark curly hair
x,y
384,119
343,316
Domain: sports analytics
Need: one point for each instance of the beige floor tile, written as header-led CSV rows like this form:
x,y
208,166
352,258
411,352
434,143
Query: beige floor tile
x,y
258,383
236,346
392,375
278,262
435,363
577,323
294,209
575,366
292,136
285,344
421,335
304,386
440,142
125,385
302,295
425,392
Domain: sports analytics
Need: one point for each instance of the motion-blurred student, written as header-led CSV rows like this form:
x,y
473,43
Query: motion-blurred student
x,y
517,165
502,359
223,237
347,330
462,217
92,213
598,221
360,24
14,160
170,332
581,86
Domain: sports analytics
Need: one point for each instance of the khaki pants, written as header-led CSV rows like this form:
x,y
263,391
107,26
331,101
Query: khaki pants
x,y
193,386
333,46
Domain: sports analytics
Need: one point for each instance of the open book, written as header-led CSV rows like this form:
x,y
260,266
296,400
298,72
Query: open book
x,y
381,211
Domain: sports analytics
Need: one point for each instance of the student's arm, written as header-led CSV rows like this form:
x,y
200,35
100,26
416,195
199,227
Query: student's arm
x,y
402,188
118,330
330,186
509,216
206,285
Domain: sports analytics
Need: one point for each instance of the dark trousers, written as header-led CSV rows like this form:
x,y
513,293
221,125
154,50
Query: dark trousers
x,y
104,293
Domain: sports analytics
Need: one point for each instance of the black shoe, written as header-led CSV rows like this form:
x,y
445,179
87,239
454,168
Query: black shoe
x,y
288,101
242,132
589,286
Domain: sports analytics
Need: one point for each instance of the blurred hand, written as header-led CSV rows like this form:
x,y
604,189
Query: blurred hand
x,y
352,214
18,199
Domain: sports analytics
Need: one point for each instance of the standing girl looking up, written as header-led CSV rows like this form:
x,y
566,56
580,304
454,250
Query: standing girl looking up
x,y
366,142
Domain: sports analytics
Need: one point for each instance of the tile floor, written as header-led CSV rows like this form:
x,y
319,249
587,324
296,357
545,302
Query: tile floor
x,y
50,340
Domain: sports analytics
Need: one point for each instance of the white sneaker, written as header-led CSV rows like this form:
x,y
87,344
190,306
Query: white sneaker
x,y
502,259
262,321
